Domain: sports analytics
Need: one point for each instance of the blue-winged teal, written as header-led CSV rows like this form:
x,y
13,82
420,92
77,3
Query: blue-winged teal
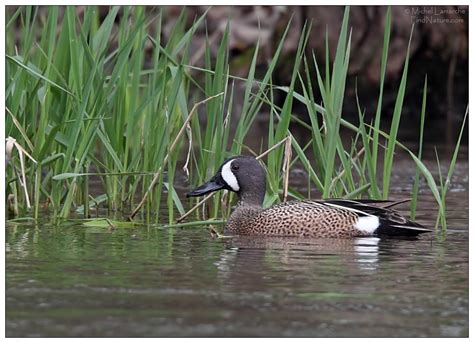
x,y
325,218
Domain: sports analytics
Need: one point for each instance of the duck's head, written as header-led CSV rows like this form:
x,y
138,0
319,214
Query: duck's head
x,y
241,174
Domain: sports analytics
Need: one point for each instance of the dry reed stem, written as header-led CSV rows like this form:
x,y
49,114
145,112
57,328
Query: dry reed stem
x,y
170,150
22,131
10,143
359,153
180,219
286,167
190,146
272,148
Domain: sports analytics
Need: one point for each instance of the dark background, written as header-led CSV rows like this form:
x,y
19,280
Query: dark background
x,y
439,50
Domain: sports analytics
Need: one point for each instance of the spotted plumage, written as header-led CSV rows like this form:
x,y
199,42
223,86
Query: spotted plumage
x,y
335,218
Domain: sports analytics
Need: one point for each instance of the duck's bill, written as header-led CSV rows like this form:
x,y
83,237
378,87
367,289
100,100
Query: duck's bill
x,y
208,187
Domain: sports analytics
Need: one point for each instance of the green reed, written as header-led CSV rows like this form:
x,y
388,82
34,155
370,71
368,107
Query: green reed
x,y
108,99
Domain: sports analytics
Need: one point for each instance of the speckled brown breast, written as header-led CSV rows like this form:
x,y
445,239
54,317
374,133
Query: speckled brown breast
x,y
294,218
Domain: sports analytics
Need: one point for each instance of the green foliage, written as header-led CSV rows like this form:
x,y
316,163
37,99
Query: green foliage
x,y
86,101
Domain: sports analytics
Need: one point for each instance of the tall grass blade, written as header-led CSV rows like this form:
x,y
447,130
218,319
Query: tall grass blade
x,y
416,182
383,67
397,112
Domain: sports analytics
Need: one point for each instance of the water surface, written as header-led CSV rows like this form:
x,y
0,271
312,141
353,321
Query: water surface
x,y
147,281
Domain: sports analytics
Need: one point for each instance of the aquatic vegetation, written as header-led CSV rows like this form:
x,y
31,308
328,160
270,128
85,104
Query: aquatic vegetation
x,y
89,102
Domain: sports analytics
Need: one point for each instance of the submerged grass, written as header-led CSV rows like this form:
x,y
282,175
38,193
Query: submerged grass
x,y
109,99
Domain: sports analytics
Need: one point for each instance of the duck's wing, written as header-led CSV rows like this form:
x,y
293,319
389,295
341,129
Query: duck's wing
x,y
379,203
392,223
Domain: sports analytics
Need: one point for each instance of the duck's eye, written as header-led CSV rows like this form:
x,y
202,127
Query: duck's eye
x,y
235,166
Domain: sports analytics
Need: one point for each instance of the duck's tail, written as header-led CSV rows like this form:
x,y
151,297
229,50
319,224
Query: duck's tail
x,y
391,223
391,228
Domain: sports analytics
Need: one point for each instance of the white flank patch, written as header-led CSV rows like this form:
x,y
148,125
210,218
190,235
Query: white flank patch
x,y
229,177
367,224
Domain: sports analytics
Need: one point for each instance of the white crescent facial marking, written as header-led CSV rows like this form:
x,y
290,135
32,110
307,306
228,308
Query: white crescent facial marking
x,y
229,177
367,224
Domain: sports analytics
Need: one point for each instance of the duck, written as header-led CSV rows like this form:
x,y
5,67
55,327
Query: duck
x,y
326,218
